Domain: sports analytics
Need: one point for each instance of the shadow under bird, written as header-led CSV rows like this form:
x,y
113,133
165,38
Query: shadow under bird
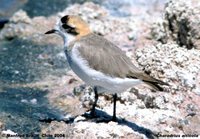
x,y
98,61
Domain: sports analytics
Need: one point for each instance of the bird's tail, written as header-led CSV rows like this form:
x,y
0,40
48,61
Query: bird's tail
x,y
154,85
150,81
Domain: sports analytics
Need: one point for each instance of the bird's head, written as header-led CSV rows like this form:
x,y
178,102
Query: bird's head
x,y
70,27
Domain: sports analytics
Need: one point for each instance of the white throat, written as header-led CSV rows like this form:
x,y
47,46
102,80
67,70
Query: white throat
x,y
70,38
67,38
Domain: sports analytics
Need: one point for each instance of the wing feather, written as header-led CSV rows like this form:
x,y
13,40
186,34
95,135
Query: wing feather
x,y
104,56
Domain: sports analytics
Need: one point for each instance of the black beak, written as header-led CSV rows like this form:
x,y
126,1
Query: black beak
x,y
50,31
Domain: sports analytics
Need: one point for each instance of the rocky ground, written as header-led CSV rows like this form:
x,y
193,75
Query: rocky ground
x,y
42,91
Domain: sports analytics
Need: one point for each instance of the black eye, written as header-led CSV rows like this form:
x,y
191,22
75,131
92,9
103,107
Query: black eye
x,y
65,26
70,29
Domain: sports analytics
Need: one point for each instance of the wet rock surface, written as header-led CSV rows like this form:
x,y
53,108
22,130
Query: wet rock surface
x,y
22,108
39,93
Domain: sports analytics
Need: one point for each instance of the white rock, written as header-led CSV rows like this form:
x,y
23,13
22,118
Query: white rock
x,y
79,118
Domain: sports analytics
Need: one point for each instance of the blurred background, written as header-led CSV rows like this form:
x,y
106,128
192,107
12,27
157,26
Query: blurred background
x,y
49,7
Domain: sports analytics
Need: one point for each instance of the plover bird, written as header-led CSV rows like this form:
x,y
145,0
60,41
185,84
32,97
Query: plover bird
x,y
98,61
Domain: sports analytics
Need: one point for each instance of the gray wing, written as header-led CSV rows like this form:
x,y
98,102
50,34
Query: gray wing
x,y
102,55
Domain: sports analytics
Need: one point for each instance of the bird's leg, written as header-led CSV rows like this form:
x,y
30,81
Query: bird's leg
x,y
95,102
114,107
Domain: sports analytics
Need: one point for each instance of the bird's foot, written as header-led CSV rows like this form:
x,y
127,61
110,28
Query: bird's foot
x,y
114,119
93,113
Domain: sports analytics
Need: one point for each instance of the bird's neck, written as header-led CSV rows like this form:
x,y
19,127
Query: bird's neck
x,y
67,39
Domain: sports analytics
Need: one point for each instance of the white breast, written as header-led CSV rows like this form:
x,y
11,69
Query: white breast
x,y
96,78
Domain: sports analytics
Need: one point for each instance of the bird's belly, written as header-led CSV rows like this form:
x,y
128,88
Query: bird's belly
x,y
77,67
81,73
97,78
